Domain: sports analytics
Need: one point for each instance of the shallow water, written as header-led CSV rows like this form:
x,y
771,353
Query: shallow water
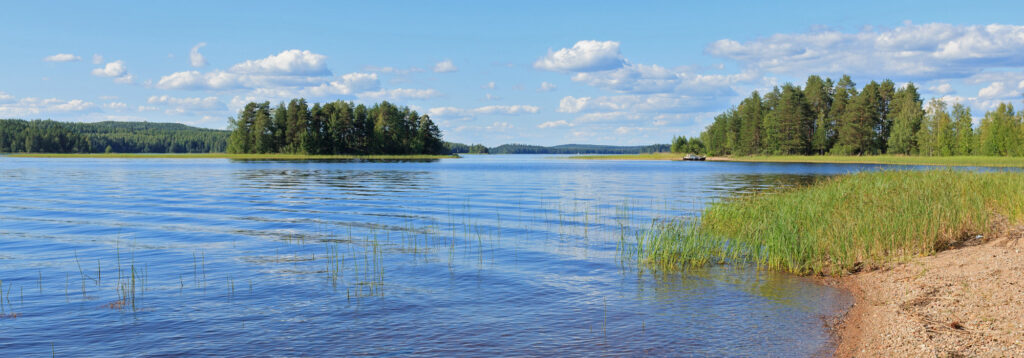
x,y
485,255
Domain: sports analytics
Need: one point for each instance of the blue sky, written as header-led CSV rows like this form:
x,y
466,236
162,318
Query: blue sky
x,y
544,72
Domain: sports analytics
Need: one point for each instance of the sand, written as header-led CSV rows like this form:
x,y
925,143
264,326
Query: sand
x,y
962,302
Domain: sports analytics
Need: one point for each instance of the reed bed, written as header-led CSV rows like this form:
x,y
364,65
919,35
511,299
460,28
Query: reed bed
x,y
841,224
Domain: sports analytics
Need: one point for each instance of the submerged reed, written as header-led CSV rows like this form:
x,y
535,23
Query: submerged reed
x,y
841,224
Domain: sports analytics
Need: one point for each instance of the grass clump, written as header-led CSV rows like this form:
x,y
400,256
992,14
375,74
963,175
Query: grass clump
x,y
841,224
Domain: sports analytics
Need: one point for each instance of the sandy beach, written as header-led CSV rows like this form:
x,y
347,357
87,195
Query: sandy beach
x,y
963,302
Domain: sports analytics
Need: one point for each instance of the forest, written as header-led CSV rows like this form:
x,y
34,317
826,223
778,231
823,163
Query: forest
x,y
332,128
47,136
826,117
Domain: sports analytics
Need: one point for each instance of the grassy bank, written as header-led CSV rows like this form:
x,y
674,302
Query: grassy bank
x,y
841,224
854,159
232,156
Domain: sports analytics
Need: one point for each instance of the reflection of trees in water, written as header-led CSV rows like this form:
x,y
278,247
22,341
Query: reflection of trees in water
x,y
731,184
354,180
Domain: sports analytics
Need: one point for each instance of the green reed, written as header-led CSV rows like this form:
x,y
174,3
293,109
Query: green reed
x,y
839,225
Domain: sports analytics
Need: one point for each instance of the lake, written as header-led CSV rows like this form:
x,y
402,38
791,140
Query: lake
x,y
480,256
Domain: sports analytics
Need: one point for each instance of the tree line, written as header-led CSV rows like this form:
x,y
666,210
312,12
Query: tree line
x,y
826,117
48,136
332,128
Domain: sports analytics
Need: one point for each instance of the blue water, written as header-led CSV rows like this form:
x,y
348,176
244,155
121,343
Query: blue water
x,y
481,256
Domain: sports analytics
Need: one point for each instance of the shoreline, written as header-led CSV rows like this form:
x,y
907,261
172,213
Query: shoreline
x,y
979,161
230,156
965,301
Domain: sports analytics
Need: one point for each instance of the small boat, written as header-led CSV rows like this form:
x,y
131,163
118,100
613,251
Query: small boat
x,y
694,157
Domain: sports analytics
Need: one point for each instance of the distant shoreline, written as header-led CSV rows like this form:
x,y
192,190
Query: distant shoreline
x,y
983,161
229,156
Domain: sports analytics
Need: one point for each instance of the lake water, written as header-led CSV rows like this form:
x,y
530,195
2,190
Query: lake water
x,y
481,256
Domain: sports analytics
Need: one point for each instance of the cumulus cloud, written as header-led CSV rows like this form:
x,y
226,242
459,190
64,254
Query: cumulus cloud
x,y
288,63
288,68
349,84
910,51
112,69
554,124
547,87
584,56
115,69
62,57
445,66
196,58
97,59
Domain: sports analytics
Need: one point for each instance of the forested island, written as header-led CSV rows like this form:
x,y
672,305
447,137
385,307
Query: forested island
x,y
826,117
333,128
47,136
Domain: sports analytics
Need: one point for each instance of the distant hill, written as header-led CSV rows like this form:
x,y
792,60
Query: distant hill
x,y
49,136
578,149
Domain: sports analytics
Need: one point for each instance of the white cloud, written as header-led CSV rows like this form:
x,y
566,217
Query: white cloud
x,y
289,68
114,69
349,84
999,90
115,105
287,63
943,88
490,85
640,78
554,124
183,105
909,52
497,109
547,87
41,107
399,94
62,57
499,127
393,70
445,66
97,59
584,56
657,103
196,58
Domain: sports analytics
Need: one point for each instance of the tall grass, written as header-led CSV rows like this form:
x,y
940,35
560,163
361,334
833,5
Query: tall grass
x,y
840,224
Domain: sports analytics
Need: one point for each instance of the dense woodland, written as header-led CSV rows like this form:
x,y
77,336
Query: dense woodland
x,y
826,117
47,136
333,128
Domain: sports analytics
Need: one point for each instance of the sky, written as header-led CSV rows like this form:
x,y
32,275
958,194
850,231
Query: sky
x,y
489,72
